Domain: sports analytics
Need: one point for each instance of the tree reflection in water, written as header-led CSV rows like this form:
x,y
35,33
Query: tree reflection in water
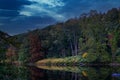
x,y
36,74
10,72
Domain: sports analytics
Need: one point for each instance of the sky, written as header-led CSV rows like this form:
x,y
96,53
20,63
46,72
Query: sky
x,y
18,16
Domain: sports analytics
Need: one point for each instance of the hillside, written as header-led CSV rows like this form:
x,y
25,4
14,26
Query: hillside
x,y
96,34
3,44
6,41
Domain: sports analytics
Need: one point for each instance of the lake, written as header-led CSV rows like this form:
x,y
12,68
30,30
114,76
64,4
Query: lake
x,y
12,72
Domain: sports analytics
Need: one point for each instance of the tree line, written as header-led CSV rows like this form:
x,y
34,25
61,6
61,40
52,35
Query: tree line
x,y
96,34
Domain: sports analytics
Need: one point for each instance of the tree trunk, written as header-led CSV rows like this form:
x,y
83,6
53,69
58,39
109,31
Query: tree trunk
x,y
75,45
71,48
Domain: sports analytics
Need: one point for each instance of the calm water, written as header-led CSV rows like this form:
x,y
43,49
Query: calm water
x,y
58,73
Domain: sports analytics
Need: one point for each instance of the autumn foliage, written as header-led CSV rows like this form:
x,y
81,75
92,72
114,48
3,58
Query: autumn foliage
x,y
11,52
35,48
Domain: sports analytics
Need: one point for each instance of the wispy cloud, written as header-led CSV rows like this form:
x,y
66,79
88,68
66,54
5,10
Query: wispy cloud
x,y
44,8
50,3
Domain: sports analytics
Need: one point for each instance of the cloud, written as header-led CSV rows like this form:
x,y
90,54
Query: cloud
x,y
44,8
26,13
10,8
50,3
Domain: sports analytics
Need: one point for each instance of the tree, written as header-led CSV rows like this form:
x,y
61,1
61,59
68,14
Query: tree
x,y
24,53
35,47
11,53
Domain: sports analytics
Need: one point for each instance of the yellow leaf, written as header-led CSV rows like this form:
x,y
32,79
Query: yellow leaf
x,y
84,55
84,73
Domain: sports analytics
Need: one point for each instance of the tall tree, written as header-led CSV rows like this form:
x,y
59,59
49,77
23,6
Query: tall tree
x,y
11,53
24,53
35,47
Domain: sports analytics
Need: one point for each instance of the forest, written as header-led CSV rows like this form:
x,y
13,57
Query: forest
x,y
92,37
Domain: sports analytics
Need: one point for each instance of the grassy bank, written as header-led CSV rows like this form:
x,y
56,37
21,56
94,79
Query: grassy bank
x,y
73,60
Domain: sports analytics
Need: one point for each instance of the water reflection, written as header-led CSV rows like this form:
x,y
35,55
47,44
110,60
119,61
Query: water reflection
x,y
36,74
10,72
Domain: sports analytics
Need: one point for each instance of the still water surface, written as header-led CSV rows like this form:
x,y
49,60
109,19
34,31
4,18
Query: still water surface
x,y
10,72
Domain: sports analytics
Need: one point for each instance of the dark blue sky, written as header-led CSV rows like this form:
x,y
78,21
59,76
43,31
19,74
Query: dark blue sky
x,y
18,16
